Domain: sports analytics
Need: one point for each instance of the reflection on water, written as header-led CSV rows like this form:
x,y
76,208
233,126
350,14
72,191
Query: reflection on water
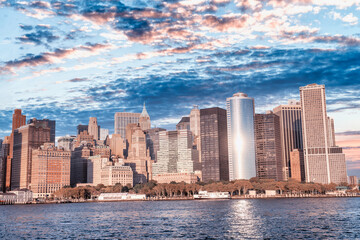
x,y
226,219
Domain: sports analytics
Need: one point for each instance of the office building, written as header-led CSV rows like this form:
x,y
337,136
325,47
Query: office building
x,y
176,177
117,145
297,165
195,128
269,163
26,138
290,132
188,157
241,134
152,142
144,119
81,128
137,156
66,142
353,180
103,134
122,119
50,170
47,123
183,124
323,163
93,128
214,144
79,160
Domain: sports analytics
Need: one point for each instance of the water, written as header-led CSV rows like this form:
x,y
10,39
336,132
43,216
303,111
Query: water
x,y
225,219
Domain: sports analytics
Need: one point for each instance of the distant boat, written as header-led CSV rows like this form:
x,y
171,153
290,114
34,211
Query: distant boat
x,y
212,195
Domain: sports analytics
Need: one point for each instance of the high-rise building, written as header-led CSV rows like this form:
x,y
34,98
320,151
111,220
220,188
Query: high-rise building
x,y
66,143
167,155
195,128
195,121
152,142
122,119
269,163
79,159
93,128
353,180
117,145
183,124
4,154
137,156
214,144
81,128
47,123
26,138
290,132
50,170
103,134
241,134
18,119
297,165
187,156
176,154
323,163
144,119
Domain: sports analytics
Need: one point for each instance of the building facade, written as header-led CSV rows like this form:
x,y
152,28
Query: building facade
x,y
241,136
152,142
269,164
93,128
122,119
297,165
26,139
183,124
47,123
214,144
50,170
66,143
323,163
176,177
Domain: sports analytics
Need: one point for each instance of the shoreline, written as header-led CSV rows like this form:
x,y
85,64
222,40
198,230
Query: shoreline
x,y
189,199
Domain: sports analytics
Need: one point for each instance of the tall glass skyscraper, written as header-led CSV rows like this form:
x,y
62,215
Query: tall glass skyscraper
x,y
241,136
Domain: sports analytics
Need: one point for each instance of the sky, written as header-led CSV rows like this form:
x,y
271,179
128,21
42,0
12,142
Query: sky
x,y
74,59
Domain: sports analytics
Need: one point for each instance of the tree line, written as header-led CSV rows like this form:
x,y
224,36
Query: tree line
x,y
173,189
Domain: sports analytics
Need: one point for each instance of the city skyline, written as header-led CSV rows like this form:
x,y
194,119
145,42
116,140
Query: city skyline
x,y
68,62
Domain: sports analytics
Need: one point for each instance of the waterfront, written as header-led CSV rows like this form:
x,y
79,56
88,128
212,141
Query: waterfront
x,y
222,219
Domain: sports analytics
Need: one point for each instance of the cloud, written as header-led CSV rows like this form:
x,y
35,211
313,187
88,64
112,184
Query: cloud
x,y
31,60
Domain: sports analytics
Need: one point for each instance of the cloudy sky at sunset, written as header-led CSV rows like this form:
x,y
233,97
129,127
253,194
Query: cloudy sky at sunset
x,y
69,60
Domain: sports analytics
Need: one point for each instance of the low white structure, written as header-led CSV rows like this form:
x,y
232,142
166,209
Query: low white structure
x,y
270,193
212,195
7,198
121,196
23,196
252,192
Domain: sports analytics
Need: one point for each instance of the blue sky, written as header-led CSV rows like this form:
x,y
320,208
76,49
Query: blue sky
x,y
69,60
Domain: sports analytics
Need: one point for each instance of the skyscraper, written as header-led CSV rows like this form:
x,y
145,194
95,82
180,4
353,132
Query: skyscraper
x,y
214,144
290,132
241,142
152,141
93,128
103,134
195,128
26,138
187,155
183,124
269,164
138,158
144,119
323,163
122,119
47,123
50,170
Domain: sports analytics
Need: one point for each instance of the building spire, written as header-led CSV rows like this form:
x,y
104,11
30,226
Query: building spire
x,y
144,112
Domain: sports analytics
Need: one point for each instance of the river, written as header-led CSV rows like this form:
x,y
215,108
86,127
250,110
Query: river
x,y
205,219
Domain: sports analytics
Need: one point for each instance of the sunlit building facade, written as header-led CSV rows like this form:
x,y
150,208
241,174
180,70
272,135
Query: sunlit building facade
x,y
324,163
122,119
241,136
